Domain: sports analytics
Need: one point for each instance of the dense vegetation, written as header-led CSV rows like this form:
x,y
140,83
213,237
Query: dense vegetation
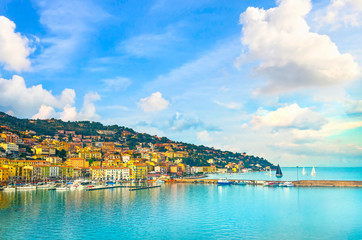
x,y
197,155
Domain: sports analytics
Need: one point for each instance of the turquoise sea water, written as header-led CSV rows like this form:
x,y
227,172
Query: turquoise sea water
x,y
184,211
291,174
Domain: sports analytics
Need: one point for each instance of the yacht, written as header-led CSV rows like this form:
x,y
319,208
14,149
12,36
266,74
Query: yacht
x,y
224,181
26,188
9,189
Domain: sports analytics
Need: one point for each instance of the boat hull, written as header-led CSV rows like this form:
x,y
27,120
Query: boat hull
x,y
224,183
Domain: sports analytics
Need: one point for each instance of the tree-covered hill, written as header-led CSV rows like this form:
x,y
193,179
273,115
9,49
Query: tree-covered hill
x,y
127,137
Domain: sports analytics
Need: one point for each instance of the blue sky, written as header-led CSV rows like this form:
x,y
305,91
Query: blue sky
x,y
280,80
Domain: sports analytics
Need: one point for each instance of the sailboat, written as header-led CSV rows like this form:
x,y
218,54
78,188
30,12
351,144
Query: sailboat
x,y
279,173
270,173
304,172
313,174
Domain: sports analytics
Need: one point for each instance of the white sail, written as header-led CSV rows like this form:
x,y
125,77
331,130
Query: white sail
x,y
270,173
313,174
304,172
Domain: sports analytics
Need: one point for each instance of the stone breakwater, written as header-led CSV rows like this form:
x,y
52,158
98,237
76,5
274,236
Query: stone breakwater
x,y
327,183
301,183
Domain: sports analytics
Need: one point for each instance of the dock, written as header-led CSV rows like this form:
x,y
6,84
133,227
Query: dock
x,y
300,183
327,183
141,188
109,187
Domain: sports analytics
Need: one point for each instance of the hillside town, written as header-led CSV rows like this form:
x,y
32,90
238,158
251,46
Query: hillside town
x,y
108,155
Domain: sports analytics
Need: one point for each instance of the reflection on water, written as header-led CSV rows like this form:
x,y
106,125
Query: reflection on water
x,y
189,211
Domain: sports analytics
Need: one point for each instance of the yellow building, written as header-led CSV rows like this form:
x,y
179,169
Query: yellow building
x,y
138,171
77,162
97,173
96,164
4,174
90,155
14,170
66,171
44,150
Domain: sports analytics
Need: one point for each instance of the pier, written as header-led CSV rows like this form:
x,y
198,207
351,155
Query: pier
x,y
301,183
327,183
110,187
131,188
142,188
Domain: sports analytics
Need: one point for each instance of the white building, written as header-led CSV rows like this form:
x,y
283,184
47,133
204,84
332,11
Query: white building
x,y
10,147
126,172
126,158
113,174
53,171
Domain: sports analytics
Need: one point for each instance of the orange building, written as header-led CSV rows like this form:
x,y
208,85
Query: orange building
x,y
77,162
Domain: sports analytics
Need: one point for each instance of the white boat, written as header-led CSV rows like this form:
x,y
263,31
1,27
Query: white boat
x,y
43,185
288,184
304,172
74,187
9,189
314,173
159,181
224,182
26,188
62,189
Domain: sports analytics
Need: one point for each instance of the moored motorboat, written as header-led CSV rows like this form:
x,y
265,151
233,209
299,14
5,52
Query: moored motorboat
x,y
224,181
288,184
26,188
242,183
9,189
271,184
62,189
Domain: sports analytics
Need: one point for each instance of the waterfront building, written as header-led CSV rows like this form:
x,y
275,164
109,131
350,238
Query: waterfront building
x,y
138,171
176,170
126,173
97,173
161,169
4,174
113,173
66,171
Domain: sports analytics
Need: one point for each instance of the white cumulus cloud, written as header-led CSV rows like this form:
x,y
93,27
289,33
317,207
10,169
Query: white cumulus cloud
x,y
26,100
153,103
69,113
346,12
14,48
291,116
45,112
290,55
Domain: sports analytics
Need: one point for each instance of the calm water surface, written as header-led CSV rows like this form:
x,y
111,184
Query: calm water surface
x,y
291,174
184,211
